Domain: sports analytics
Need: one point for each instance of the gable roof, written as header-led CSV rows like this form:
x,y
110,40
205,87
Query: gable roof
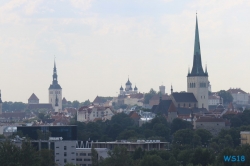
x,y
8,115
184,97
164,107
33,97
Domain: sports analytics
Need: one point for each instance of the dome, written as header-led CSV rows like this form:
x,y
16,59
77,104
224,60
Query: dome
x,y
135,88
121,88
128,82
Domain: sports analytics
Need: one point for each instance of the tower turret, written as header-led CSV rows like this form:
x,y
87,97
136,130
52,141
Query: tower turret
x,y
197,80
55,89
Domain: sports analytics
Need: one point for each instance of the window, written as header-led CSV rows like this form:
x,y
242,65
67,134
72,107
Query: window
x,y
86,159
57,147
72,152
189,105
65,160
78,159
65,153
89,154
57,153
72,146
65,147
82,154
76,154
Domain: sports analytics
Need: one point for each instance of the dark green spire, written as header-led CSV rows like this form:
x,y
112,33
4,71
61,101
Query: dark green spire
x,y
197,69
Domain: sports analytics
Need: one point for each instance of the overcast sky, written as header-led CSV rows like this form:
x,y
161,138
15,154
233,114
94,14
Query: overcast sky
x,y
98,43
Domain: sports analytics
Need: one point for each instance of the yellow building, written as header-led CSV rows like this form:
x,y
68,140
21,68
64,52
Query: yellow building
x,y
245,137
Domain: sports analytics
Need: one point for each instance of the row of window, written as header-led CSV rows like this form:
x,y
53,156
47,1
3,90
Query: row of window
x,y
83,154
202,85
80,159
56,92
65,160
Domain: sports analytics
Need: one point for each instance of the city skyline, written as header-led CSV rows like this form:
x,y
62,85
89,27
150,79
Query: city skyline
x,y
98,44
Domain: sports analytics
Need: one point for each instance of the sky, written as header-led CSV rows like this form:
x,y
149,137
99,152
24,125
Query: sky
x,y
97,44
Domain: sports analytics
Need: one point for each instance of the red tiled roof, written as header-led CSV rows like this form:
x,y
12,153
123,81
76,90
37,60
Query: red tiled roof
x,y
237,90
33,97
134,115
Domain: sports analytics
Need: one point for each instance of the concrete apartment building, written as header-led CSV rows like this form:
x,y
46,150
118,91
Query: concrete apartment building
x,y
83,155
64,151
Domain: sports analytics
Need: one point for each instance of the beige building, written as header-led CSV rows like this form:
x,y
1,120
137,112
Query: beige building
x,y
245,137
93,113
240,96
134,99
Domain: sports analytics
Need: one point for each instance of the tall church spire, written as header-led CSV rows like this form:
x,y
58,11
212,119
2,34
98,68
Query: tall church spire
x,y
0,97
197,69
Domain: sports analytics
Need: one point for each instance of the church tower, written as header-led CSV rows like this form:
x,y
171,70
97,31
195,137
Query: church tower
x,y
197,80
1,103
55,90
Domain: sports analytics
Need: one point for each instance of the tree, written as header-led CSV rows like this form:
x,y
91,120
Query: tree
x,y
227,97
94,157
75,104
149,160
203,157
178,124
119,156
149,95
9,154
28,155
47,157
204,135
184,136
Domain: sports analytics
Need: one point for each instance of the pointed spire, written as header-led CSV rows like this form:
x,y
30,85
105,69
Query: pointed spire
x,y
171,89
197,69
206,69
54,65
1,97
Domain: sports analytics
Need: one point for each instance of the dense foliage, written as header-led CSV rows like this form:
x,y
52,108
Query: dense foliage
x,y
12,155
16,106
121,126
